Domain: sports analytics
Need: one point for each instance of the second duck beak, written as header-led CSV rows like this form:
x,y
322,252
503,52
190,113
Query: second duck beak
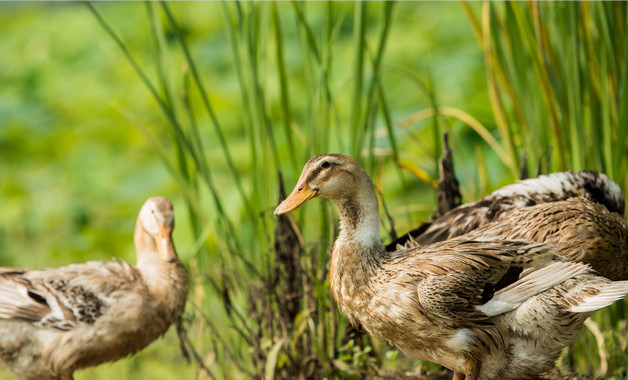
x,y
165,246
301,194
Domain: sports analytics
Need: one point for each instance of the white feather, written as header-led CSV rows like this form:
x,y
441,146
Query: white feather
x,y
609,293
531,284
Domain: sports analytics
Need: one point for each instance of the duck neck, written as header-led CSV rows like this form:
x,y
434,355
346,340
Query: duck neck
x,y
159,276
359,220
358,251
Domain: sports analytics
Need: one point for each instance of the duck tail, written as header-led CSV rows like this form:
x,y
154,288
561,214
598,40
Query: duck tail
x,y
601,296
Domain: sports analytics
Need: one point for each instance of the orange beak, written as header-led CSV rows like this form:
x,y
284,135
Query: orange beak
x,y
301,194
165,246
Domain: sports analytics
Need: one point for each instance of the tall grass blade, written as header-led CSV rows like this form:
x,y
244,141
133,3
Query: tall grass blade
x,y
205,98
357,132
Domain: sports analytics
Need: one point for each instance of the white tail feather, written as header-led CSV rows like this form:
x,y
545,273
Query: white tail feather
x,y
609,293
531,284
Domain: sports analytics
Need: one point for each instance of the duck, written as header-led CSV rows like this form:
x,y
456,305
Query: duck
x,y
497,206
55,321
483,308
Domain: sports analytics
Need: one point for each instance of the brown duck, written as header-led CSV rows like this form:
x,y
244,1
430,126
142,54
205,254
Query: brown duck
x,y
483,308
555,187
55,321
588,228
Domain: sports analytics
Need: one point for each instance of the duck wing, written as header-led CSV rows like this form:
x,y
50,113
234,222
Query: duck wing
x,y
62,298
470,284
20,298
471,281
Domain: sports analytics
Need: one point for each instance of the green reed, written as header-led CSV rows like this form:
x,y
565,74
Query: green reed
x,y
557,76
260,304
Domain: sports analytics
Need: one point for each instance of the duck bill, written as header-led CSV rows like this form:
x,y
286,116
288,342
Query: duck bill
x,y
301,194
165,245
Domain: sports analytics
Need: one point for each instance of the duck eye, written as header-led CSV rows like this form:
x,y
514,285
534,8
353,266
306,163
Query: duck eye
x,y
325,165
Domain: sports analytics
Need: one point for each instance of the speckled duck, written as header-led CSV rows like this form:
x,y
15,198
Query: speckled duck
x,y
55,321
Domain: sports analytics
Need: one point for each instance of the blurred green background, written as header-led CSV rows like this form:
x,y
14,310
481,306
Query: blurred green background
x,y
83,141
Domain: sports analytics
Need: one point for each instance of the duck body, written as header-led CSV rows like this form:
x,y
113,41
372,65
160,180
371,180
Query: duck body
x,y
497,206
427,303
472,305
424,304
55,321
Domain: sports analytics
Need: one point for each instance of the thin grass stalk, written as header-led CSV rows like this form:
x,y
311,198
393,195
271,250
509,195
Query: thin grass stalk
x,y
162,105
205,98
549,93
358,68
534,48
224,224
204,171
467,119
254,43
592,61
594,91
316,56
310,57
512,76
283,85
163,153
621,159
496,101
333,32
161,55
604,26
249,26
436,128
311,40
573,89
550,80
236,28
162,75
325,99
475,23
128,56
180,136
388,123
372,98
607,142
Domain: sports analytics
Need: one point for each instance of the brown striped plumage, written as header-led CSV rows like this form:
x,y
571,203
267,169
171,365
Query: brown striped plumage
x,y
458,302
497,206
55,321
580,230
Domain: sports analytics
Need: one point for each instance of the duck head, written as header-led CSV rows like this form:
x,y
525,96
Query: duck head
x,y
154,229
332,176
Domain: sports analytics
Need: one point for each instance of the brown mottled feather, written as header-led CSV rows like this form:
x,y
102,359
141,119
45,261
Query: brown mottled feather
x,y
580,230
595,187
